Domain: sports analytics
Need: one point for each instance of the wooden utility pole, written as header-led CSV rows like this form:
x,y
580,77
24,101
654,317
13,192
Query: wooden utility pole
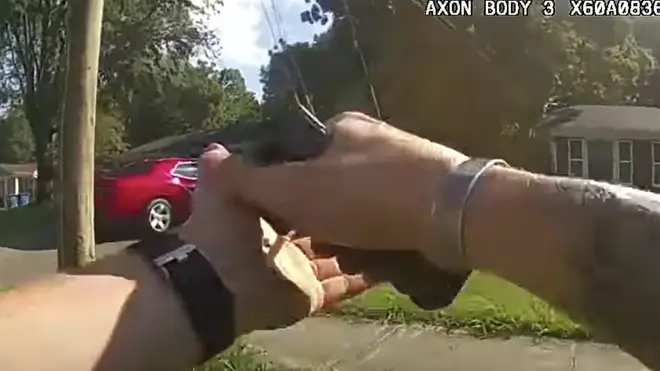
x,y
76,227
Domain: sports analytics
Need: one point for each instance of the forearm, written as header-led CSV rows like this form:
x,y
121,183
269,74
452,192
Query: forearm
x,y
589,248
116,314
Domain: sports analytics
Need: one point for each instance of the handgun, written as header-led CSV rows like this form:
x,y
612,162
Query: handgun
x,y
304,137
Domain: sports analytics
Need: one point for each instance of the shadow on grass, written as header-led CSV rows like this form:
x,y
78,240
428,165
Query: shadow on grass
x,y
29,228
487,307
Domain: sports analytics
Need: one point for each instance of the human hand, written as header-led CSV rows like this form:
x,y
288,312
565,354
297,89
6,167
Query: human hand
x,y
409,272
270,290
375,187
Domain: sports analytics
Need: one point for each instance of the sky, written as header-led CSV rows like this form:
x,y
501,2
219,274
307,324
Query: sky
x,y
245,35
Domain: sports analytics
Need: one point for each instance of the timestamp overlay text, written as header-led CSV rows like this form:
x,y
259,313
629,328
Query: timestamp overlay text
x,y
547,8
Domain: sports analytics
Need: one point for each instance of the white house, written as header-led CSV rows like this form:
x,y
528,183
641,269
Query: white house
x,y
16,179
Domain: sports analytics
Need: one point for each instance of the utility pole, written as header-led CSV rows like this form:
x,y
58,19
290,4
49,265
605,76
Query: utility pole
x,y
76,226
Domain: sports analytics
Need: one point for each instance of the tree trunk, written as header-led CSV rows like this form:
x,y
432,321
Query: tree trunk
x,y
45,173
76,232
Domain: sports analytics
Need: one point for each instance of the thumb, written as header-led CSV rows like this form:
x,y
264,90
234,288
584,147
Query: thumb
x,y
208,165
287,195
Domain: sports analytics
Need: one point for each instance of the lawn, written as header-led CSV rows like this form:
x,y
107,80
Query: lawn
x,y
488,306
22,226
241,357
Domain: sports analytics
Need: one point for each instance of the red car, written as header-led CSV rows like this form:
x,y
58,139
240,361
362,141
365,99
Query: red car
x,y
151,194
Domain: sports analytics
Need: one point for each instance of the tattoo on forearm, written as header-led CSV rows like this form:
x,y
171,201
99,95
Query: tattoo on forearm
x,y
618,269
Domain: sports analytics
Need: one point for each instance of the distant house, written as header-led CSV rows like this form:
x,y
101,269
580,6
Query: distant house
x,y
16,180
618,144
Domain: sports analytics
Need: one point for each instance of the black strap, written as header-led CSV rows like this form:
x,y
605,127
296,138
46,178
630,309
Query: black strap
x,y
206,300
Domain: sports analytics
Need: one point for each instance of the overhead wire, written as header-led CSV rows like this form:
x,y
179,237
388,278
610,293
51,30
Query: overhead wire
x,y
268,21
278,19
279,40
281,43
363,61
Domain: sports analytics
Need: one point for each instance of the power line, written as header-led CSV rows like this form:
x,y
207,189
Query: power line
x,y
278,20
284,46
363,61
270,24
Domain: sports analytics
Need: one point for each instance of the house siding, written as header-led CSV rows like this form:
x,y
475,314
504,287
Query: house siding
x,y
601,161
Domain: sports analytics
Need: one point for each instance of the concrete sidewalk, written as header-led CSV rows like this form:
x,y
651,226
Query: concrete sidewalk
x,y
331,344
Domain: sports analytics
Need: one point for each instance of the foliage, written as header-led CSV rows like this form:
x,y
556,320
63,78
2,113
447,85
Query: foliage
x,y
146,47
480,84
595,74
329,71
200,98
148,86
109,136
16,141
32,56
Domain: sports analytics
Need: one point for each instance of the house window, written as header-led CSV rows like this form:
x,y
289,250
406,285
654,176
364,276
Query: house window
x,y
577,158
553,156
623,162
655,155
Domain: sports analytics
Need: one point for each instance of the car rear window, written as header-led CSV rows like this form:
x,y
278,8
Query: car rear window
x,y
132,168
186,169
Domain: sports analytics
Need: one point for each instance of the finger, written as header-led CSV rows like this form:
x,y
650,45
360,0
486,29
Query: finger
x,y
296,193
338,288
322,250
326,268
209,163
305,245
213,146
283,193
205,196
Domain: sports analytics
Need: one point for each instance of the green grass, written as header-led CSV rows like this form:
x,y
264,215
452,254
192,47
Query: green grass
x,y
488,306
21,224
241,357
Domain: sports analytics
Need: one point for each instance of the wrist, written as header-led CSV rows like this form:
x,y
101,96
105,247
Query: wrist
x,y
154,308
239,276
425,198
497,217
457,188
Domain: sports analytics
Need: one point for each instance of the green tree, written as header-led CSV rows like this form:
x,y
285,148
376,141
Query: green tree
x,y
602,74
480,84
32,51
143,42
109,136
16,141
198,98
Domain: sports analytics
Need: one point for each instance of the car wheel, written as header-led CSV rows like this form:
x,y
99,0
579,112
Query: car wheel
x,y
159,215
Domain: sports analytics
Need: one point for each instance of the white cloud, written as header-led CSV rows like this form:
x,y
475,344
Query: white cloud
x,y
239,27
245,34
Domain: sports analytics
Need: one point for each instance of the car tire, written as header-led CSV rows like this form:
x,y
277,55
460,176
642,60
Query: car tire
x,y
159,216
